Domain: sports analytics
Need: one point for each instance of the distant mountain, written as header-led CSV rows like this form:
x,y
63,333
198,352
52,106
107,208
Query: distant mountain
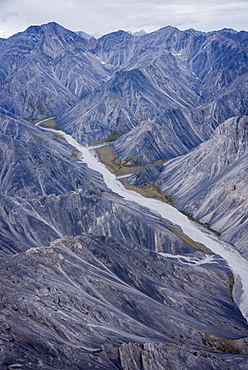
x,y
122,104
211,181
84,35
139,33
46,69
192,71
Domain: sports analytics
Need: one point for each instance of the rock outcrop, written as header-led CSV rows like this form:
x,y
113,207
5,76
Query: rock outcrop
x,y
45,70
94,302
211,181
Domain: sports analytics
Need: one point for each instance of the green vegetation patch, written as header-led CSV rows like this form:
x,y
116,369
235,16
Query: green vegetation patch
x,y
231,284
189,241
190,216
114,134
97,142
59,136
107,156
150,191
225,344
32,120
74,154
50,123
110,158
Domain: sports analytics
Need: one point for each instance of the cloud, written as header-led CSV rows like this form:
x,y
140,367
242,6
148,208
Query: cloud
x,y
7,15
3,34
161,16
71,5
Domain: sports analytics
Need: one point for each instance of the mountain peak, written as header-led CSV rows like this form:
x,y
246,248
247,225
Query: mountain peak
x,y
48,27
84,35
138,33
116,34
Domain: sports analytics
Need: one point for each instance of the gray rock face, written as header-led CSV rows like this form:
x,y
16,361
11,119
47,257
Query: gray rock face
x,y
151,356
178,85
33,223
211,181
125,101
34,163
199,77
45,194
166,136
84,274
46,69
72,304
88,279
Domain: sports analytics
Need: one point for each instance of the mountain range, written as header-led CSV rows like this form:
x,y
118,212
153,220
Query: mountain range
x,y
90,279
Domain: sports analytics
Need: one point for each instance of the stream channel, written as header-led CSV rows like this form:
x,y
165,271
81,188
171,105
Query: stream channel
x,y
237,263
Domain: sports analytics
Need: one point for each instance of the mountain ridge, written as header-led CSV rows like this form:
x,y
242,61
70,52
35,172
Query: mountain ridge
x,y
167,53
211,182
99,278
42,76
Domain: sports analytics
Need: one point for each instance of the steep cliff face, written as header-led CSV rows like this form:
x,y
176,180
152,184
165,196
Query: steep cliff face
x,y
168,135
211,181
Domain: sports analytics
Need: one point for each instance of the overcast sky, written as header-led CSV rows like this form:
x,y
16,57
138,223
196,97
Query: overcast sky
x,y
99,17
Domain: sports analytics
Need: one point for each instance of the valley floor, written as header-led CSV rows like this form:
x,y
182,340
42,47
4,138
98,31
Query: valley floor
x,y
237,263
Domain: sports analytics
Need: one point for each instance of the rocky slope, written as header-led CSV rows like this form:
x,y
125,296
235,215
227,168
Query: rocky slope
x,y
86,302
181,79
35,163
46,69
40,179
184,83
211,181
121,105
87,278
70,245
